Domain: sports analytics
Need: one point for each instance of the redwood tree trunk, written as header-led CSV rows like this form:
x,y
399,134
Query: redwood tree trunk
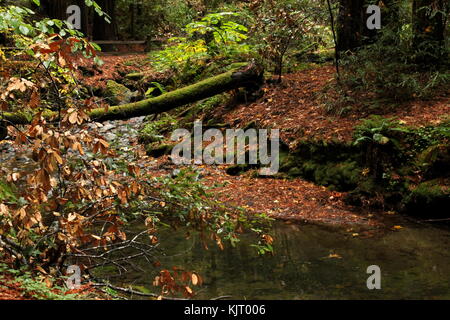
x,y
350,24
102,29
352,31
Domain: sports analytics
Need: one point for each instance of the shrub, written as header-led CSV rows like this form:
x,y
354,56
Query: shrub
x,y
388,69
216,36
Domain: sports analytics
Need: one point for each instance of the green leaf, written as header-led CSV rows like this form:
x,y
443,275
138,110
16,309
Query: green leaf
x,y
379,138
24,30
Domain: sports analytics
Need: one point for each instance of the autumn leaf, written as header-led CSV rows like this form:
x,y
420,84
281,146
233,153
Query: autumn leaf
x,y
194,279
73,118
34,100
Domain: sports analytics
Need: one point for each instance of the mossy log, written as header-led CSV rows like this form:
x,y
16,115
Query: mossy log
x,y
248,76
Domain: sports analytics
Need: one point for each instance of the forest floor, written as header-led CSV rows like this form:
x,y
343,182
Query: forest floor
x,y
13,289
10,289
296,107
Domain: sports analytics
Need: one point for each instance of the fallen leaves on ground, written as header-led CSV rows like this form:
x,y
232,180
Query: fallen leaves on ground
x,y
296,108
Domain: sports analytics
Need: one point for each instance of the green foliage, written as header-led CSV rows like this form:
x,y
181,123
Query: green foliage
x,y
156,86
431,135
213,37
7,192
16,20
178,52
154,131
280,26
429,198
188,203
221,35
152,19
208,106
379,130
43,40
388,69
430,149
36,287
39,289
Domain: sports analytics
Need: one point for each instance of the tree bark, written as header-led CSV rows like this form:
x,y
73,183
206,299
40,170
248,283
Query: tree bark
x,y
350,24
102,29
249,77
352,31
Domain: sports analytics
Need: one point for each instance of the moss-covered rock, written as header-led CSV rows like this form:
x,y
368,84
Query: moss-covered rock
x,y
342,176
157,150
117,94
326,163
435,161
429,199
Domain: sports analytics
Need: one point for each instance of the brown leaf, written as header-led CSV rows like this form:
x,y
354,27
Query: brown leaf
x,y
73,118
194,279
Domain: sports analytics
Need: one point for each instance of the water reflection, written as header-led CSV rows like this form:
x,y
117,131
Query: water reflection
x,y
313,262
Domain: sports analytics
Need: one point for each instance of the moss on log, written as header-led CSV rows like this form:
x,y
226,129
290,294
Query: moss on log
x,y
247,76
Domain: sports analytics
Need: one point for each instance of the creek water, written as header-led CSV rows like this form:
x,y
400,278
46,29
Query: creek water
x,y
311,262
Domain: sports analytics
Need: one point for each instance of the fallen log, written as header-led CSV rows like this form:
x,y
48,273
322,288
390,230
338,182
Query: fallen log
x,y
249,76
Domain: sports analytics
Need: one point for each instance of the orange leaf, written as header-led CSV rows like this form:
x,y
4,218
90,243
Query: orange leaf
x,y
194,279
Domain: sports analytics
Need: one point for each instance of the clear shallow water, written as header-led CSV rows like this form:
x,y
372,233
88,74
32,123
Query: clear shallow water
x,y
414,262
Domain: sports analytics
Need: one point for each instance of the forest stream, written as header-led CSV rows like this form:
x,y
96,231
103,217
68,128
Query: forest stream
x,y
310,262
224,150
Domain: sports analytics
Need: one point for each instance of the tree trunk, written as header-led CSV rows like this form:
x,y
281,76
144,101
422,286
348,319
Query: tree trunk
x,y
350,24
352,30
249,77
104,30
132,9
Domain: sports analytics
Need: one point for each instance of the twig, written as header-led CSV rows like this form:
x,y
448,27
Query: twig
x,y
13,247
221,297
138,293
436,220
